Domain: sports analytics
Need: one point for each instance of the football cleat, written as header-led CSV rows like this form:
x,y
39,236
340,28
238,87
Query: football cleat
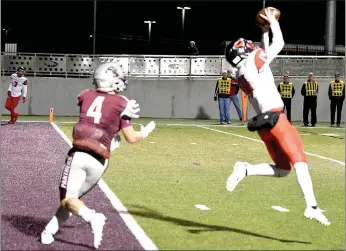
x,y
316,214
46,237
97,223
239,173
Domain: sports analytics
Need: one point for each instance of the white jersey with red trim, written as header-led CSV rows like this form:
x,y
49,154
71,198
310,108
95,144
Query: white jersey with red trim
x,y
18,85
255,77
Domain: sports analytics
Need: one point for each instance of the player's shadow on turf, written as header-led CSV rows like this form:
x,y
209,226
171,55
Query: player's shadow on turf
x,y
143,211
33,226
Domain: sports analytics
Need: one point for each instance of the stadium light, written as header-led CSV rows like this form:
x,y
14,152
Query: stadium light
x,y
149,27
183,16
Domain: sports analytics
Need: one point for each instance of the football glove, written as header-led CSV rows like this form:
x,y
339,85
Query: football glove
x,y
115,142
131,110
146,130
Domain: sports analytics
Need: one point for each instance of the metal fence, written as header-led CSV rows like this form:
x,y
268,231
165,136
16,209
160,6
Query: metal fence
x,y
161,66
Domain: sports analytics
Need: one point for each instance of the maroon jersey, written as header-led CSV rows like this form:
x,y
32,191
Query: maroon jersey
x,y
99,121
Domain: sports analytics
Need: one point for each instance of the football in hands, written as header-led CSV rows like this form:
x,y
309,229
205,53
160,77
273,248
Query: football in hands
x,y
262,22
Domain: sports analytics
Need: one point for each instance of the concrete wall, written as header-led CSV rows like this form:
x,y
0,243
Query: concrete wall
x,y
160,98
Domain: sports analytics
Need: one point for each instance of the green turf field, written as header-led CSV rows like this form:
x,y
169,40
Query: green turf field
x,y
161,179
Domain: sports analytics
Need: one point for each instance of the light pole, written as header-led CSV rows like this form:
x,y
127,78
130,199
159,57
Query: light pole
x,y
94,29
149,28
183,16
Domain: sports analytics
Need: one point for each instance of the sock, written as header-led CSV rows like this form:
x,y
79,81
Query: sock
x,y
86,213
305,183
266,170
12,114
58,219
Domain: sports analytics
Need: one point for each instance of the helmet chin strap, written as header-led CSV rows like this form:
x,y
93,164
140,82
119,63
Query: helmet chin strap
x,y
240,63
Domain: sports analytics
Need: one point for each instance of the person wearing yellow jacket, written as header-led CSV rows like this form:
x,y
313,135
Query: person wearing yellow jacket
x,y
336,95
310,91
222,95
287,91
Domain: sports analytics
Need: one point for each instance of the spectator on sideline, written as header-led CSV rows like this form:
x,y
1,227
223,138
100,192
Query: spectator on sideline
x,y
336,95
222,94
193,50
310,91
287,91
234,94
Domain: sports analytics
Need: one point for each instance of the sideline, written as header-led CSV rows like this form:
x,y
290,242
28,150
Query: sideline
x,y
130,222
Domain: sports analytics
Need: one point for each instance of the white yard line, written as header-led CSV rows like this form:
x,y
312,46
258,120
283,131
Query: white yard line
x,y
256,140
130,222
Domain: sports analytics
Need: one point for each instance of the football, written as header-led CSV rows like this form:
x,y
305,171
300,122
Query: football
x,y
262,22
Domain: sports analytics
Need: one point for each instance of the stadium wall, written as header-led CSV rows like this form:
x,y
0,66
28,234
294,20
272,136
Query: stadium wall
x,y
158,98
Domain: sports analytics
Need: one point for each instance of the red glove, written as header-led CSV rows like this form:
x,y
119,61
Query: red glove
x,y
9,93
24,100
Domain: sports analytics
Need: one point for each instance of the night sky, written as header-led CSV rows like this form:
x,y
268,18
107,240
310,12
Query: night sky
x,y
65,27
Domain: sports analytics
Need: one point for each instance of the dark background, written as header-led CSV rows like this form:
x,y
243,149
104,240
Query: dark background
x,y
65,27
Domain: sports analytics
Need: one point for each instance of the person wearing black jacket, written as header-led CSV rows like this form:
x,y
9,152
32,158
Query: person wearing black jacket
x,y
234,94
336,95
309,91
287,91
193,50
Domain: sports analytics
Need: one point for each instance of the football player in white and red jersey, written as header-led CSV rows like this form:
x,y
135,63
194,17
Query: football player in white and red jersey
x,y
18,87
282,140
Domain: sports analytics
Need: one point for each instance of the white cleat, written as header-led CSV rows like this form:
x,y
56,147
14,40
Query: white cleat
x,y
97,224
46,238
316,214
239,173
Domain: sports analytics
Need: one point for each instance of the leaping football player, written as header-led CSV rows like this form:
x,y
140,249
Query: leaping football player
x,y
103,113
283,142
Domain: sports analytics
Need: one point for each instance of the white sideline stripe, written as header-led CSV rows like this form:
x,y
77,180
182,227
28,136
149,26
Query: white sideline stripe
x,y
256,140
130,222
191,125
244,126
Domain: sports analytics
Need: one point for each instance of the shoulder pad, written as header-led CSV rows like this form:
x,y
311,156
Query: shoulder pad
x,y
82,92
126,99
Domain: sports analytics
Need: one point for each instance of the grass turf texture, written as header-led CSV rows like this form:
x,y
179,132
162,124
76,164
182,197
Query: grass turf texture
x,y
161,182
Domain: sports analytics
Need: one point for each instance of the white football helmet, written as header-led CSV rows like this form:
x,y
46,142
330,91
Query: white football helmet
x,y
109,77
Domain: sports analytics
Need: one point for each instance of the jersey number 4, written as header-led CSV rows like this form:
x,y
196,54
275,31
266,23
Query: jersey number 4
x,y
95,110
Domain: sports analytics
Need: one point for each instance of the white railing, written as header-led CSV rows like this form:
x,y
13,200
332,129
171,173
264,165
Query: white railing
x,y
81,65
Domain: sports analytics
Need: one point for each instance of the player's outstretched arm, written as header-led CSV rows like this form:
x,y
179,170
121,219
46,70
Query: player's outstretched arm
x,y
278,40
265,39
132,136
